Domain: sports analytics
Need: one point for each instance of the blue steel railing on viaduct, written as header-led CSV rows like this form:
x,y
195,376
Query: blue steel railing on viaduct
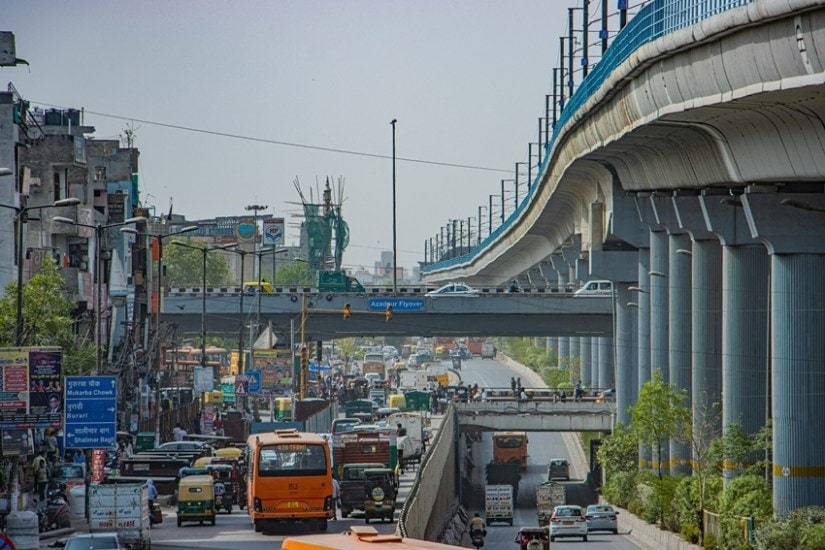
x,y
653,21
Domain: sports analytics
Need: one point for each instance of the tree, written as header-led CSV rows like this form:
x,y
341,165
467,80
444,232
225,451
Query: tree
x,y
295,273
184,265
661,413
619,452
48,318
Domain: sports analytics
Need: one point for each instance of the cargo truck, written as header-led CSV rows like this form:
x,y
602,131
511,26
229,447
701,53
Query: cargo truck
x,y
498,504
336,281
373,363
549,495
122,508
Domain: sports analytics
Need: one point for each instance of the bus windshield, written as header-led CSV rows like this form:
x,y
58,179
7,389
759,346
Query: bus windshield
x,y
292,459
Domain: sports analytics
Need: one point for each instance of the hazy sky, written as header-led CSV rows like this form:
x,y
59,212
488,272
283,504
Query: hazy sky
x,y
218,90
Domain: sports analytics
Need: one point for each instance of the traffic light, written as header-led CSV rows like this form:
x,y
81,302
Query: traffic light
x,y
388,315
347,311
304,357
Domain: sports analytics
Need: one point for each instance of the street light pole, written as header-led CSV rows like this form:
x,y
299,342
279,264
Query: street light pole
x,y
394,249
99,229
22,218
204,250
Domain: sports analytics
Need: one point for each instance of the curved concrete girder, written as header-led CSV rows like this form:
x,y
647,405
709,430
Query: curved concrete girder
x,y
709,79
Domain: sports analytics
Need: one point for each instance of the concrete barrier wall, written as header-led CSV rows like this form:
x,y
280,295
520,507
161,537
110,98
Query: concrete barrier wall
x,y
432,500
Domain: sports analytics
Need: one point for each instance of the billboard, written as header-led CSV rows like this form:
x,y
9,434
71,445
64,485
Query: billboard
x,y
30,391
276,367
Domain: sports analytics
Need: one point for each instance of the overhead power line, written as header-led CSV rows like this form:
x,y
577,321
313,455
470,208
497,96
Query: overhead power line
x,y
284,143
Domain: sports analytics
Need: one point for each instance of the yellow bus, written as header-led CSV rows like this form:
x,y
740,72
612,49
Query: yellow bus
x,y
289,479
360,537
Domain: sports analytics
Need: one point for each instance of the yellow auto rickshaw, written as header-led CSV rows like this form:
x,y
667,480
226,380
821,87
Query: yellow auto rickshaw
x,y
284,411
196,499
397,401
203,462
229,452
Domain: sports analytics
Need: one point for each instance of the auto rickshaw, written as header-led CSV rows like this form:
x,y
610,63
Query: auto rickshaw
x,y
284,408
196,499
380,491
223,475
235,458
533,538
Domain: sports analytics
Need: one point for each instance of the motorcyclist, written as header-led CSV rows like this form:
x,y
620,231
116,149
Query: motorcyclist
x,y
476,526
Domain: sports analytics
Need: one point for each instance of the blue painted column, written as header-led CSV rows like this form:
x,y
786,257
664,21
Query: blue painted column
x,y
595,351
706,323
659,323
563,270
627,354
586,360
745,271
679,336
793,227
643,340
607,376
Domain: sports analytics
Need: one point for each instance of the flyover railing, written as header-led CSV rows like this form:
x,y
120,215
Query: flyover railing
x,y
656,19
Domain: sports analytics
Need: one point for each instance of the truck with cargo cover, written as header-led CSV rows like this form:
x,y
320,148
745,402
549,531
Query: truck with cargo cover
x,y
123,508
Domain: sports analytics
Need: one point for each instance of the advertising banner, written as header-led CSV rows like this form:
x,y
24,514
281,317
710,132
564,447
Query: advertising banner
x,y
30,391
273,231
276,370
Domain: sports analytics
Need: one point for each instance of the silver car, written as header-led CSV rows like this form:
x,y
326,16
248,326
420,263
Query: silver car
x,y
601,517
568,521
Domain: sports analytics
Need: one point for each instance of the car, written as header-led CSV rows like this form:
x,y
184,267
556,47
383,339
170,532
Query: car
x,y
596,288
95,541
453,289
568,521
601,517
172,446
340,425
558,467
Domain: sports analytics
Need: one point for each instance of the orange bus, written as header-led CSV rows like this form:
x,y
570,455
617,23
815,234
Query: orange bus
x,y
289,479
510,448
360,537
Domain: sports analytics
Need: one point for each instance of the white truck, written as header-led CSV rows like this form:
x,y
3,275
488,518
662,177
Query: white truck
x,y
488,350
415,426
121,507
498,504
549,495
413,379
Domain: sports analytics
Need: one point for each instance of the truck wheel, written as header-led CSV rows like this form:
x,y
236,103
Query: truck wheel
x,y
179,522
584,538
213,521
488,522
258,526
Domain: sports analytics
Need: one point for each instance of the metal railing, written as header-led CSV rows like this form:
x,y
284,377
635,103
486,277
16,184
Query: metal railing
x,y
653,21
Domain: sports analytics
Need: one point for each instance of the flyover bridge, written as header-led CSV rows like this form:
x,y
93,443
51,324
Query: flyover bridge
x,y
536,416
224,310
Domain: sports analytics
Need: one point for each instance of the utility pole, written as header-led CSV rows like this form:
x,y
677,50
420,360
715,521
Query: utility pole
x,y
255,208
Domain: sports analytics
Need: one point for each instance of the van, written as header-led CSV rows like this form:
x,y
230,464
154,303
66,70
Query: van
x,y
596,288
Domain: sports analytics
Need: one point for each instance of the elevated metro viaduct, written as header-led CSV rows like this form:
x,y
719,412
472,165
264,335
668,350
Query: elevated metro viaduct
x,y
688,169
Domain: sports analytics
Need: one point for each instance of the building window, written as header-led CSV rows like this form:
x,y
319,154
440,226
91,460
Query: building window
x,y
100,173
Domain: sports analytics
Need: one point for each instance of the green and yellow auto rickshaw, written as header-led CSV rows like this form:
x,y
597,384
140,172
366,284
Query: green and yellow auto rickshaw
x,y
196,499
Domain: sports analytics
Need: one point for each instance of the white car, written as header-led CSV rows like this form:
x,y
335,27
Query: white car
x,y
568,521
453,289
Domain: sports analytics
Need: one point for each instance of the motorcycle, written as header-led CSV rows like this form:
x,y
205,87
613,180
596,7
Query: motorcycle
x,y
55,515
477,537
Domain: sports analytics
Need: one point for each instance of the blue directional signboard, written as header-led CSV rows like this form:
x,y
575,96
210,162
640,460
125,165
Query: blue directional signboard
x,y
398,304
253,380
91,412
